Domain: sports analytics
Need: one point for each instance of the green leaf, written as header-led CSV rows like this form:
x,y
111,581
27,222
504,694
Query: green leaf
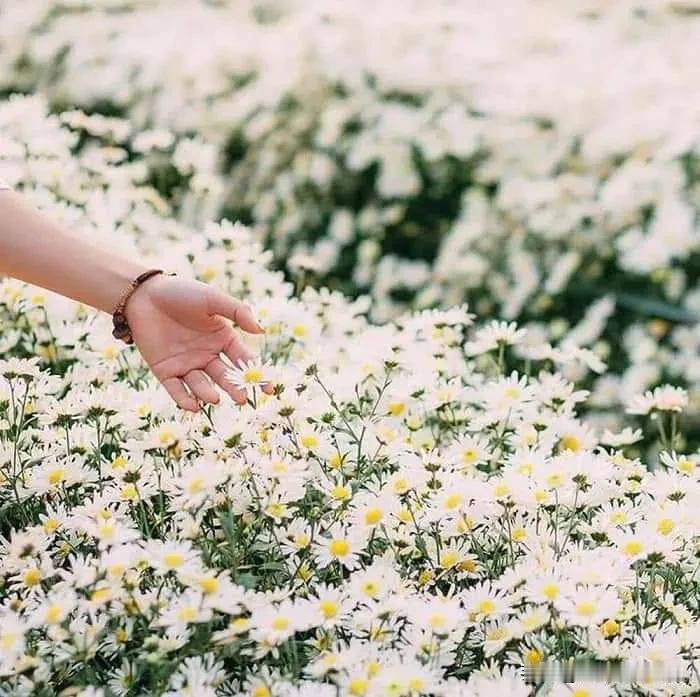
x,y
247,580
655,308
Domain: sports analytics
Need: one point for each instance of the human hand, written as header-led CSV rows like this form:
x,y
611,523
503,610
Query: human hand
x,y
181,327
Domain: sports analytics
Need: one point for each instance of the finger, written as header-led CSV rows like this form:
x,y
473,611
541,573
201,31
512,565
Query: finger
x,y
237,352
201,387
176,389
240,313
216,370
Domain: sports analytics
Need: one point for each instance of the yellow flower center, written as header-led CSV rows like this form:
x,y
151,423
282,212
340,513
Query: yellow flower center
x,y
53,614
525,468
309,440
437,619
329,608
99,594
280,623
452,501
7,639
387,434
280,467
519,534
338,547
610,628
393,688
50,525
468,565
56,475
341,492
116,570
370,588
501,489
373,515
571,443
301,539
469,455
187,614
550,590
251,375
110,352
632,547
555,479
173,559
129,491
358,686
106,529
425,576
585,607
208,273
195,485
416,684
486,606
209,584
276,510
119,462
400,485
533,657
686,465
448,558
166,435
396,408
31,577
665,526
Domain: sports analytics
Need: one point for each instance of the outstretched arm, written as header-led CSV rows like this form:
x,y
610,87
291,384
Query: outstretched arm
x,y
35,249
180,326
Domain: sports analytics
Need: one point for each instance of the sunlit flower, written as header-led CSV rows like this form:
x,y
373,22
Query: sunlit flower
x,y
248,376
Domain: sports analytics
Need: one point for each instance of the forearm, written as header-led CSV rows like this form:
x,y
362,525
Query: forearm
x,y
36,250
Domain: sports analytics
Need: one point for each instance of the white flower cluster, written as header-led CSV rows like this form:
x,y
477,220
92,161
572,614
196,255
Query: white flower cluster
x,y
415,510
540,163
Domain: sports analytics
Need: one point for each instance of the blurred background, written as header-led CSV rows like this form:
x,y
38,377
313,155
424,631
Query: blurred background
x,y
536,159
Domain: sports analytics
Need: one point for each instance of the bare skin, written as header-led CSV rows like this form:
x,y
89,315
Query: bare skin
x,y
181,327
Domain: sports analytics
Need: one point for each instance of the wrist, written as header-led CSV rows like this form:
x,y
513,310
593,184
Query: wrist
x,y
120,316
116,279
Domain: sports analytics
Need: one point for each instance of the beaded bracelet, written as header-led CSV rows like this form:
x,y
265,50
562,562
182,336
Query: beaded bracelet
x,y
121,326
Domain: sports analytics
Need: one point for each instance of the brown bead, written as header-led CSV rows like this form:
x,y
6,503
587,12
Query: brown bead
x,y
121,328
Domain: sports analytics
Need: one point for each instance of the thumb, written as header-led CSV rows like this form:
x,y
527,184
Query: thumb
x,y
222,304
